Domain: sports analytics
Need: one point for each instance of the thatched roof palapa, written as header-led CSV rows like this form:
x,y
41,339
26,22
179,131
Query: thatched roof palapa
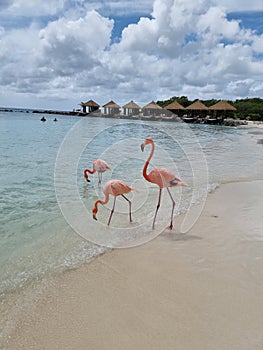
x,y
174,106
152,105
131,109
197,105
131,105
152,109
111,108
89,103
111,104
222,106
92,106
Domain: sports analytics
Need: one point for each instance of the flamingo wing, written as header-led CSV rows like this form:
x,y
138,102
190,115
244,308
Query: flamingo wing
x,y
161,177
101,166
119,187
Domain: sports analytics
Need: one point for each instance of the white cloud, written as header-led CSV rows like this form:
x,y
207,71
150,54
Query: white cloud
x,y
190,47
33,8
68,46
38,8
242,5
214,22
186,48
258,44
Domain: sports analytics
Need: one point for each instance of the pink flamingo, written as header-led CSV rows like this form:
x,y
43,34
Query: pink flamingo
x,y
161,177
98,165
115,188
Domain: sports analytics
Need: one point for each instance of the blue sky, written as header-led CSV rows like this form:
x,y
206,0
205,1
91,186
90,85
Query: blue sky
x,y
249,20
57,54
121,22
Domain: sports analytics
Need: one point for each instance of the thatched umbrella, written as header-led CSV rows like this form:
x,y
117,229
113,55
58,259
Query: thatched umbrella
x,y
111,108
196,108
152,109
92,106
131,108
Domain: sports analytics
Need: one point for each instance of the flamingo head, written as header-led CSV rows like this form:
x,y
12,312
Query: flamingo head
x,y
94,212
146,142
86,176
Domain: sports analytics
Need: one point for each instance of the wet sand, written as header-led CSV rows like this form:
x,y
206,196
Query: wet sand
x,y
201,290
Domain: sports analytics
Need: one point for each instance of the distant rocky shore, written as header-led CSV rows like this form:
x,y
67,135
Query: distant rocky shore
x,y
42,111
78,113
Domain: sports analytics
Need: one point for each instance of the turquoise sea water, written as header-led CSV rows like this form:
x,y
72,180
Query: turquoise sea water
x,y
37,239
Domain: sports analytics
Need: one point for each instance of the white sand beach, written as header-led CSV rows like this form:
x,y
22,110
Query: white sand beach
x,y
252,124
201,290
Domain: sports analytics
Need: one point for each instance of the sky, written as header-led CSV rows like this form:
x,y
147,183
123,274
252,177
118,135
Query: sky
x,y
56,54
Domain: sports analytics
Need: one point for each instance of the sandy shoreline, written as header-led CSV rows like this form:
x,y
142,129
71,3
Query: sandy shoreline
x,y
251,124
200,290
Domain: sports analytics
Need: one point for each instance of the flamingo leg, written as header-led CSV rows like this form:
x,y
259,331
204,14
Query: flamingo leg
x,y
112,211
129,206
172,214
100,178
158,206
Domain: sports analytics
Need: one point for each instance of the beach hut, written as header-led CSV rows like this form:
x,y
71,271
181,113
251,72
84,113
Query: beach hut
x,y
175,107
92,106
195,111
131,108
220,110
152,109
111,108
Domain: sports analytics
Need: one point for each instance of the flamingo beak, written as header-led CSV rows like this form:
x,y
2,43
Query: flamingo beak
x,y
94,216
86,178
142,146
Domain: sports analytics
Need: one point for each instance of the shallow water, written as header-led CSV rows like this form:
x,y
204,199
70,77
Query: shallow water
x,y
37,238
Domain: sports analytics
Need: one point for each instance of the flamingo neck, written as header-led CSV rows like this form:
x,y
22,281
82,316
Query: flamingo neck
x,y
100,201
148,162
86,171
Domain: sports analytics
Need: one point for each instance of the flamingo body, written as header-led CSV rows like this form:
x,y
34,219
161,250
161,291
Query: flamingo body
x,y
100,166
162,178
114,188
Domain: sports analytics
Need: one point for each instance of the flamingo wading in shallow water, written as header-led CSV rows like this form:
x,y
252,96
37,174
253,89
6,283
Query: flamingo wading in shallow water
x,y
98,165
115,188
161,177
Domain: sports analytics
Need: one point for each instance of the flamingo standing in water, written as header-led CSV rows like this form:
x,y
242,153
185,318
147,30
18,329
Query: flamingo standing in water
x,y
98,165
115,188
161,177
